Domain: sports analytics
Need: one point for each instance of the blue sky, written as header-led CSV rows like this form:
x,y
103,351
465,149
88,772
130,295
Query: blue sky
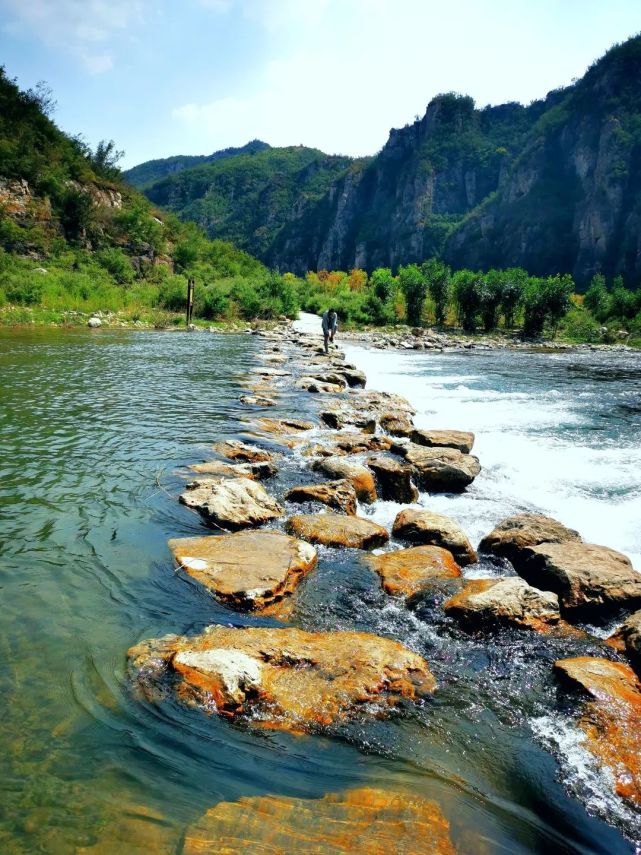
x,y
166,77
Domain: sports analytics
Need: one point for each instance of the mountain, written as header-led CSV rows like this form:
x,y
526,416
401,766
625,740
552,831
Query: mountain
x,y
249,198
554,186
153,170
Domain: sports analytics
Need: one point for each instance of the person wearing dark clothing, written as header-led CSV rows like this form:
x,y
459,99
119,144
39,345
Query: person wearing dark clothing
x,y
329,324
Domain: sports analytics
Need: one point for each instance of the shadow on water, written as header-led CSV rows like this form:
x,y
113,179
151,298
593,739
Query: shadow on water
x,y
95,430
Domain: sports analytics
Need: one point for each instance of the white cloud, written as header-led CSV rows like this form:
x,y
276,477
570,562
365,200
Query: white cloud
x,y
77,26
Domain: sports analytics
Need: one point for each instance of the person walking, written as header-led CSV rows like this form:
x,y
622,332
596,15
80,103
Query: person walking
x,y
330,325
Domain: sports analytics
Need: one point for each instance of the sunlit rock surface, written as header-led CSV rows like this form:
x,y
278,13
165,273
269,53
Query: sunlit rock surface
x,y
516,533
231,503
394,478
506,601
610,718
428,527
462,440
339,494
338,530
281,678
441,470
407,572
360,476
362,822
248,570
234,449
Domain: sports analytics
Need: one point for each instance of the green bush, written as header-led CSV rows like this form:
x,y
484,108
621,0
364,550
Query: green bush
x,y
117,264
26,289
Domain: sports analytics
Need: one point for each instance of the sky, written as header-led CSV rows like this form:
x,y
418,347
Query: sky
x,y
164,77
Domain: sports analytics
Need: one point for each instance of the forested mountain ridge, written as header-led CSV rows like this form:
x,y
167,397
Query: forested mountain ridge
x,y
552,187
153,170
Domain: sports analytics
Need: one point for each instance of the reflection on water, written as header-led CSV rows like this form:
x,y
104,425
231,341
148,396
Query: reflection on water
x,y
93,430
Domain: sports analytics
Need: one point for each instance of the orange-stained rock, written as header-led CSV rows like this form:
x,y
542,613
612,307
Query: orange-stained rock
x,y
397,424
428,527
611,718
407,572
360,476
281,678
587,577
353,443
254,471
249,570
463,440
231,503
283,426
516,533
627,639
507,600
394,478
234,449
339,494
337,530
364,821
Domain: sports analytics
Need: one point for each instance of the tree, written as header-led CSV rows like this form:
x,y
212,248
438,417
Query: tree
x,y
546,301
437,276
467,287
490,293
382,283
105,159
514,280
414,286
596,297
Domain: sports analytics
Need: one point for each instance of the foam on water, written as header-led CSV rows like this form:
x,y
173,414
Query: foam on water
x,y
549,439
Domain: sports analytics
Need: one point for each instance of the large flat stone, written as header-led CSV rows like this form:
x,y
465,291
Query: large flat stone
x,y
338,530
248,570
504,601
408,572
234,449
364,821
462,440
231,503
586,577
441,470
339,495
281,678
610,718
255,471
360,476
428,527
516,533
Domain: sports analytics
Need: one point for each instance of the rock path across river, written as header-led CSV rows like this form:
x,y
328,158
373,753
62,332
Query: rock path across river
x,y
362,445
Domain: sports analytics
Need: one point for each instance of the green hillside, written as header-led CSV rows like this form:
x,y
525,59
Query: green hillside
x,y
76,238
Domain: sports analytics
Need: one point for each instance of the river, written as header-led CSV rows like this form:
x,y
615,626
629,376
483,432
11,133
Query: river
x,y
95,431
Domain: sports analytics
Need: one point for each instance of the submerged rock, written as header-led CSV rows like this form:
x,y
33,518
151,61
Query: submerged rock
x,y
231,503
428,527
516,533
339,494
394,478
365,821
508,600
586,577
234,449
337,530
443,470
627,639
248,570
611,718
281,678
359,475
255,471
462,440
408,572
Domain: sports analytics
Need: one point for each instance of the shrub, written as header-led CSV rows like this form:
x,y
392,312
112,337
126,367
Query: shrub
x,y
414,286
117,264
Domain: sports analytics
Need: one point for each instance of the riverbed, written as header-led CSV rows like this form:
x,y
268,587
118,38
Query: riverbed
x,y
95,432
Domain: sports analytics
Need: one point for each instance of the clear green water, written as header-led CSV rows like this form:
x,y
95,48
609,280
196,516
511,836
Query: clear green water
x,y
94,428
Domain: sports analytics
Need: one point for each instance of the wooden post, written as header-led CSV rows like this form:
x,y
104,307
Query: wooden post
x,y
190,300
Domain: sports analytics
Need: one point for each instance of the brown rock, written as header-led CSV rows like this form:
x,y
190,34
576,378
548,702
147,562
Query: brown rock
x,y
257,401
334,419
312,384
337,530
281,678
463,440
611,719
248,570
359,475
339,494
443,470
394,478
398,424
354,443
585,576
231,503
283,426
364,822
436,529
255,471
627,639
234,449
515,533
408,572
508,600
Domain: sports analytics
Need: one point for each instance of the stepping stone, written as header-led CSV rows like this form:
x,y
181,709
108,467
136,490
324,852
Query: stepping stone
x,y
231,503
428,527
339,494
407,572
337,530
504,601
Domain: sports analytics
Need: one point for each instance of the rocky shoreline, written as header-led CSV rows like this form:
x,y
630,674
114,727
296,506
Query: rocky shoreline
x,y
362,445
